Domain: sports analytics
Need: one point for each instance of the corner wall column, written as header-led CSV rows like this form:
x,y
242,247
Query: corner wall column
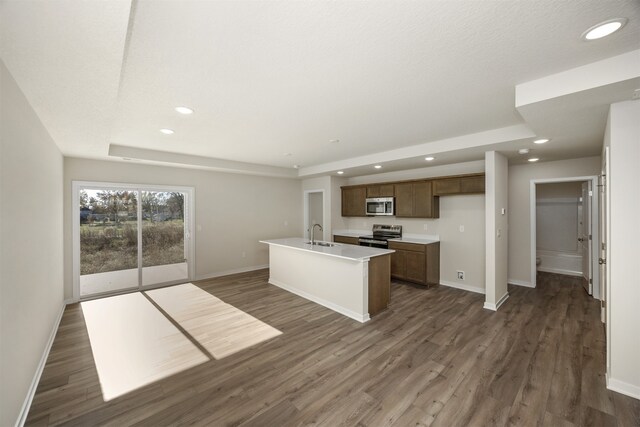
x,y
496,229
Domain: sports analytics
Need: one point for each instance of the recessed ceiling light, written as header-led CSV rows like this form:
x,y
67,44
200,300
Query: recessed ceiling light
x,y
534,159
166,131
377,166
604,29
184,110
340,172
523,151
540,141
430,158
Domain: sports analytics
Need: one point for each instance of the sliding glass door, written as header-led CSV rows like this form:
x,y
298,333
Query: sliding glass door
x,y
108,240
164,253
128,237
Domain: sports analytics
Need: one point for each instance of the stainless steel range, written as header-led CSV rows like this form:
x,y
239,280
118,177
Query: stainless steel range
x,y
381,234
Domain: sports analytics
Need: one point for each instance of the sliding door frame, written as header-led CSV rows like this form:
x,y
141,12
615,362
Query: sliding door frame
x,y
189,218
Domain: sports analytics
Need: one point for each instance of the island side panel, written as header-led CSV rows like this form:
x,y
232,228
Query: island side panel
x,y
379,283
433,264
336,283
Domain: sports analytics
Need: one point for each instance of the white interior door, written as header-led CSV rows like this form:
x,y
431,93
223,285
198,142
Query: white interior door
x,y
584,232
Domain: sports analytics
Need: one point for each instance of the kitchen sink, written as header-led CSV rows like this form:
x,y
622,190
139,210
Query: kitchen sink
x,y
327,244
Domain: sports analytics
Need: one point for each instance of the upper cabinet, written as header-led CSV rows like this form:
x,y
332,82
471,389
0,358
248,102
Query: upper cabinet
x,y
466,184
380,190
415,200
353,201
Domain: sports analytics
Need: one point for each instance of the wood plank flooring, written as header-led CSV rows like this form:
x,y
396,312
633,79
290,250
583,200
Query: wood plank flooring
x,y
434,358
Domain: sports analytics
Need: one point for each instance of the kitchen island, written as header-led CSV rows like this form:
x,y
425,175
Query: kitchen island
x,y
352,280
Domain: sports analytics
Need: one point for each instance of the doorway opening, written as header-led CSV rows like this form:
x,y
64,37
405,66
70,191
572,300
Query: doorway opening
x,y
564,229
130,237
314,205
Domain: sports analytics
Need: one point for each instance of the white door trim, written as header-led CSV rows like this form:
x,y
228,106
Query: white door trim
x,y
75,243
594,221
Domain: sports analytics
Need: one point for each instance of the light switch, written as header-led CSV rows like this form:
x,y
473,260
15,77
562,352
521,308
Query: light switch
x,y
498,232
504,211
462,228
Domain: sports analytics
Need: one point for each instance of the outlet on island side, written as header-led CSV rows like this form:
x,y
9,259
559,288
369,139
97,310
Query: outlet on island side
x,y
460,275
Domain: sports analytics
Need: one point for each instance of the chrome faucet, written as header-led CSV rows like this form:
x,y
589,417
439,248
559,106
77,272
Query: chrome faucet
x,y
311,230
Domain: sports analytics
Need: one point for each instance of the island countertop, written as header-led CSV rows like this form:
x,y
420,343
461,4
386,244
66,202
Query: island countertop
x,y
350,252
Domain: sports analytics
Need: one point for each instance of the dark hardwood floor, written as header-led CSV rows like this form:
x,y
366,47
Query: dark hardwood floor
x,y
435,357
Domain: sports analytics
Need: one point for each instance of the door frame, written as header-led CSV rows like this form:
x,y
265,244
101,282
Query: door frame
x,y
305,224
595,236
75,233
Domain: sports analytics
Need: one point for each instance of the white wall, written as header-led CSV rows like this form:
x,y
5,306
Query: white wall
x,y
335,210
557,216
316,214
497,227
233,212
463,251
623,373
31,286
520,177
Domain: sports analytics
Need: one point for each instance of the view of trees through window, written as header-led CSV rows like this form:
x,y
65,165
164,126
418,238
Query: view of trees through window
x,y
109,229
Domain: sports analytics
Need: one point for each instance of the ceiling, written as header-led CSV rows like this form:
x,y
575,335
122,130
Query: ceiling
x,y
275,83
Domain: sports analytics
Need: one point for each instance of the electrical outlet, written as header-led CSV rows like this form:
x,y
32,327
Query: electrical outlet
x,y
425,227
461,228
460,275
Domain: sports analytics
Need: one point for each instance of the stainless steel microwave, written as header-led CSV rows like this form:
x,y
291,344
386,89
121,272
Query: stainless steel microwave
x,y
379,206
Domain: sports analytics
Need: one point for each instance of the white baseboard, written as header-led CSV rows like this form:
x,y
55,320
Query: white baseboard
x,y
233,271
24,411
560,271
470,288
345,311
496,306
623,387
520,283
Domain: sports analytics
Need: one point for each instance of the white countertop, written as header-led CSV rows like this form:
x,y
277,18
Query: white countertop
x,y
420,239
417,240
350,252
351,233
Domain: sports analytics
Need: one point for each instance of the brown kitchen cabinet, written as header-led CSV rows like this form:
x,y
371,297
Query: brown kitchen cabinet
x,y
380,190
353,201
416,263
415,200
349,240
466,184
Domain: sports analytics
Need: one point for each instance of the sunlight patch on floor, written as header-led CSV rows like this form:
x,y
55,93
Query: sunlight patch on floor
x,y
219,327
134,344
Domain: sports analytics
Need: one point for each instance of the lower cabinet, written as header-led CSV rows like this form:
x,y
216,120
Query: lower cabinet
x,y
416,263
345,239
